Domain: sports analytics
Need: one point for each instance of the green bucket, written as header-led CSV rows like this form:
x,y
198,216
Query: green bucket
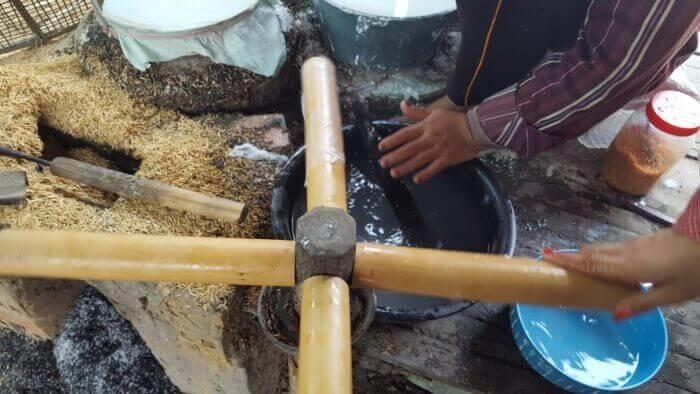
x,y
380,42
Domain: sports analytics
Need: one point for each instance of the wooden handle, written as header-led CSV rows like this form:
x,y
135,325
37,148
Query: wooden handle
x,y
325,358
94,256
138,188
480,277
325,155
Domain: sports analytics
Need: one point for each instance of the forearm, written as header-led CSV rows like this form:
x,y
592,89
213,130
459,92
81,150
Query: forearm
x,y
625,49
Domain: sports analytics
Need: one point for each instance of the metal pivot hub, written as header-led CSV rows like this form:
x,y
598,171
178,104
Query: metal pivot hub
x,y
325,244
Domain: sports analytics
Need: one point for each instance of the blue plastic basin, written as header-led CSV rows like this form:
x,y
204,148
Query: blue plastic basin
x,y
586,351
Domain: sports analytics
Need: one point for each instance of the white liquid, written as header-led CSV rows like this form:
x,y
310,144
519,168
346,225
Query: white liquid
x,y
174,15
397,8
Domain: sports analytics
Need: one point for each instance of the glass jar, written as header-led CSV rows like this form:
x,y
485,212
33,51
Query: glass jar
x,y
651,142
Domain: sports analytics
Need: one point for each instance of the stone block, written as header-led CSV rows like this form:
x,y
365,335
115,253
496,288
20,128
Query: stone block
x,y
202,350
37,308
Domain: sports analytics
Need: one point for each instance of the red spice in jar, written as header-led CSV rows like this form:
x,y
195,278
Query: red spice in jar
x,y
651,142
632,164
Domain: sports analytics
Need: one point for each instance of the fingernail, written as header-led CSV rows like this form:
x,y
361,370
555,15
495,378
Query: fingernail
x,y
548,251
621,313
394,173
416,180
381,146
382,163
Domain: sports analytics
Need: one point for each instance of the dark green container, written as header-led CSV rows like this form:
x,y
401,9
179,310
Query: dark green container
x,y
379,42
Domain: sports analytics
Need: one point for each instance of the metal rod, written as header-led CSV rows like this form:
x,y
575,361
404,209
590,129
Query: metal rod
x,y
29,20
19,155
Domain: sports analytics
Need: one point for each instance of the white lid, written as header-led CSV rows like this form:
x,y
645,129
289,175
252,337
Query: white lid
x,y
174,15
397,8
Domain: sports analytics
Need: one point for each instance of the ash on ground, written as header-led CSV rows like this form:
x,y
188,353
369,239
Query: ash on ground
x,y
27,365
99,352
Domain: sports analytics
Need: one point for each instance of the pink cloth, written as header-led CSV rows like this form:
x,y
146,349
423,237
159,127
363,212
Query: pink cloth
x,y
689,223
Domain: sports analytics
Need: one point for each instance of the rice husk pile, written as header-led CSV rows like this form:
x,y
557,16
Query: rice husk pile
x,y
173,148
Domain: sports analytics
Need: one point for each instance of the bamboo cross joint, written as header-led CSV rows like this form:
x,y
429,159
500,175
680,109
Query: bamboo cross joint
x,y
325,244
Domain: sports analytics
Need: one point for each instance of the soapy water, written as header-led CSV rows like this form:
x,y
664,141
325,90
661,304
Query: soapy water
x,y
378,223
367,203
601,359
455,209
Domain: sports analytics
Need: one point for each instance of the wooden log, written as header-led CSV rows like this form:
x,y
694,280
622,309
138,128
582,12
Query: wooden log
x,y
148,190
481,277
325,357
95,256
325,155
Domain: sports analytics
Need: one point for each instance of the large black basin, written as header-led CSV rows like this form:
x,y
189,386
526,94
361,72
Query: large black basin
x,y
464,208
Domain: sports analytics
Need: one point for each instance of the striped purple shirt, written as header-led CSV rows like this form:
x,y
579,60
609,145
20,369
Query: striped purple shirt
x,y
624,49
689,223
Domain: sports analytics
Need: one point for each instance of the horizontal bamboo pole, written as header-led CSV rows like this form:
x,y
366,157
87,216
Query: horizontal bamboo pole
x,y
480,277
95,256
325,154
325,357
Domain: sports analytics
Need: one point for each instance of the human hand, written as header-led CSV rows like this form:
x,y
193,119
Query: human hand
x,y
439,139
667,259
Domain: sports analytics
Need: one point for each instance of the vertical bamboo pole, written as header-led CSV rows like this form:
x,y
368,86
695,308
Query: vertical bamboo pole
x,y
325,155
325,359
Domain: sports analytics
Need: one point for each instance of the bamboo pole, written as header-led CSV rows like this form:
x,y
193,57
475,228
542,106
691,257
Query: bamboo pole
x,y
325,155
93,256
325,359
480,277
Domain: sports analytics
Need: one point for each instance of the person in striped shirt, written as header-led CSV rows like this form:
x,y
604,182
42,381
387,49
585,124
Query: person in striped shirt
x,y
533,74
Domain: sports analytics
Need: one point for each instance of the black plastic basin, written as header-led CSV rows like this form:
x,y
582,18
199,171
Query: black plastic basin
x,y
463,207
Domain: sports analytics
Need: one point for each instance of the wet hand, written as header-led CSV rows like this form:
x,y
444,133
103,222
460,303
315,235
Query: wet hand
x,y
439,139
667,259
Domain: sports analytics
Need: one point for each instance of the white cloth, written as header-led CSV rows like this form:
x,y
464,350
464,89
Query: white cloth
x,y
255,42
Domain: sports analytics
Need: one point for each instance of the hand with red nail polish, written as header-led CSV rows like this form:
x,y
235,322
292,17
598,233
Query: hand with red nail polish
x,y
667,259
622,312
439,139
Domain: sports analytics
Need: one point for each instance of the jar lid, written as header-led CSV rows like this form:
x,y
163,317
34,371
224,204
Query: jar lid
x,y
674,113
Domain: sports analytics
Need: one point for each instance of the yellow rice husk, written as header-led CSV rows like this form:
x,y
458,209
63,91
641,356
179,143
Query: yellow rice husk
x,y
173,148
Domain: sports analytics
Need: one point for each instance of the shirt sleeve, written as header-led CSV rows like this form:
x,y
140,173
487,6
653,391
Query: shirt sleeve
x,y
689,223
625,49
